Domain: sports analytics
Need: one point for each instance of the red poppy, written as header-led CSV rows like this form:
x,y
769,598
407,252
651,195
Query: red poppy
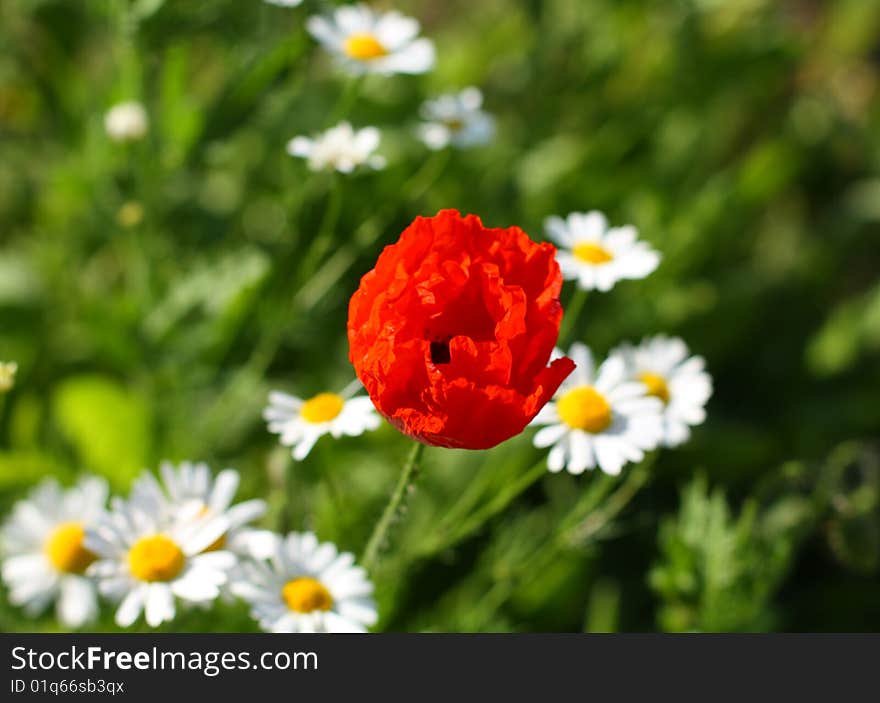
x,y
452,330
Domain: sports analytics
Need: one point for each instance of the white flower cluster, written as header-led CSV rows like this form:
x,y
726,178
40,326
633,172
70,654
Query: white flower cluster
x,y
637,399
364,41
174,543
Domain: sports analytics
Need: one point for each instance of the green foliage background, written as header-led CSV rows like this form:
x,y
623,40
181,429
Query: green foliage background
x,y
741,136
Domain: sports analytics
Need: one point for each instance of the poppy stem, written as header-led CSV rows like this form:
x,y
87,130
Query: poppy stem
x,y
571,314
394,508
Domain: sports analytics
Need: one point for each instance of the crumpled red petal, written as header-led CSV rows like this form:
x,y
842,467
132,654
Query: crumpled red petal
x,y
452,330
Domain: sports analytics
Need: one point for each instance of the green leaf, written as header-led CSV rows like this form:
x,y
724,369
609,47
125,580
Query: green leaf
x,y
852,329
107,424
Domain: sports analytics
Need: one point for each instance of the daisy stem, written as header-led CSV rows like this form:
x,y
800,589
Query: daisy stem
x,y
467,501
285,522
499,503
394,508
571,314
370,230
574,531
347,99
582,532
324,239
422,180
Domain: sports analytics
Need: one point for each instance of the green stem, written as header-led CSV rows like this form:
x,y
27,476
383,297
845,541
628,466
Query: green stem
x,y
574,530
267,346
394,508
337,265
600,486
422,180
286,521
595,521
495,506
347,99
138,273
322,241
467,500
329,477
571,314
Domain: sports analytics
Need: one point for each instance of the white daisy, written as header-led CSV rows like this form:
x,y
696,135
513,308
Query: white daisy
x,y
126,122
596,256
285,3
598,417
7,375
456,119
340,148
191,489
308,587
147,557
45,557
367,41
301,422
679,381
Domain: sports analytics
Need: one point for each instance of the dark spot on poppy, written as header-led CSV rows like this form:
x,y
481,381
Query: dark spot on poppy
x,y
440,353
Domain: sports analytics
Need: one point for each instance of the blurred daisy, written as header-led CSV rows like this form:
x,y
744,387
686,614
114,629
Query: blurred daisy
x,y
598,417
679,381
457,120
7,375
147,557
45,557
308,587
191,489
340,148
301,422
126,122
367,41
596,256
285,3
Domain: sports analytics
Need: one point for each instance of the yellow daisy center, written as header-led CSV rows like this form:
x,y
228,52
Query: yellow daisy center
x,y
455,124
656,384
155,558
584,408
364,47
591,253
322,408
65,549
305,595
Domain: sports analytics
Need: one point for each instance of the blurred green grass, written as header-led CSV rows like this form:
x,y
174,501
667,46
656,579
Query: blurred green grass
x,y
741,137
